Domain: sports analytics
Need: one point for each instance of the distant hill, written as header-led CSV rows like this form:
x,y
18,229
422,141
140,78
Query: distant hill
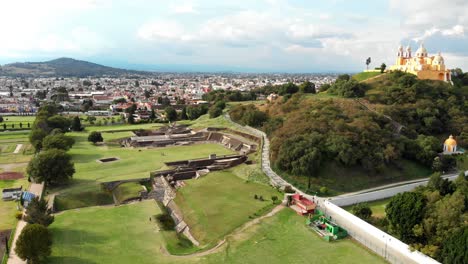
x,y
62,67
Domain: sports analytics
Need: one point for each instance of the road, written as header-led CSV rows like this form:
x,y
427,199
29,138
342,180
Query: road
x,y
383,192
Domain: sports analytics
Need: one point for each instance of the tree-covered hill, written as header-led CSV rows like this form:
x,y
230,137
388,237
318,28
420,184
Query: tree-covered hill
x,y
63,67
352,139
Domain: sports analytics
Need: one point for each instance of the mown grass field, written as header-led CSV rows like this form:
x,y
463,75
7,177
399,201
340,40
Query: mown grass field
x,y
8,209
124,234
121,234
10,161
17,122
284,238
219,202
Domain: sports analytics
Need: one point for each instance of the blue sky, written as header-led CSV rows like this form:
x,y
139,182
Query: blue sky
x,y
262,35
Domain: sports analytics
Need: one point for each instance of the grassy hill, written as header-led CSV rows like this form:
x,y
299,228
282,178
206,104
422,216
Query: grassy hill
x,y
362,76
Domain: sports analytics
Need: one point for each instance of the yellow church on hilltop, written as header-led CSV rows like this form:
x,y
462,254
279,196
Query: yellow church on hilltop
x,y
421,65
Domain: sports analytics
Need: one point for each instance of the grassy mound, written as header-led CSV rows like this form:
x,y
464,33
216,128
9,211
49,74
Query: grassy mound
x,y
219,202
129,190
86,196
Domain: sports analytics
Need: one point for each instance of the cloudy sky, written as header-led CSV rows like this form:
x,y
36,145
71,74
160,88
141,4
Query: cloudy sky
x,y
262,35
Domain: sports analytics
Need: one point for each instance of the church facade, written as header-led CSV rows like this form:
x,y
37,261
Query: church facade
x,y
421,64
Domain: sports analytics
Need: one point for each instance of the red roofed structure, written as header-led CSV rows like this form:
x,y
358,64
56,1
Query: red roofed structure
x,y
302,205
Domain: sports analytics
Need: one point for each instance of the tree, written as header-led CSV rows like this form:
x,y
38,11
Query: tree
x,y
34,243
153,114
171,114
57,121
324,87
307,87
383,67
38,212
215,111
57,141
35,137
455,250
95,137
148,93
362,210
288,88
404,211
300,155
76,124
53,166
183,114
131,119
368,61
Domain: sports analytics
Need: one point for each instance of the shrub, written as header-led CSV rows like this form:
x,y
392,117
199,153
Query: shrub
x,y
323,190
19,215
274,198
95,137
255,197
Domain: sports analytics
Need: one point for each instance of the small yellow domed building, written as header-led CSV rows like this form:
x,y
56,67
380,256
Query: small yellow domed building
x,y
422,65
450,145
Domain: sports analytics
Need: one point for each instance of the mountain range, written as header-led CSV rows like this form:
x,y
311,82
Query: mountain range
x,y
63,67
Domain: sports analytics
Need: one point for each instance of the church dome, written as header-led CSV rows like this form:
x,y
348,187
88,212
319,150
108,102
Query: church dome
x,y
421,52
450,142
438,60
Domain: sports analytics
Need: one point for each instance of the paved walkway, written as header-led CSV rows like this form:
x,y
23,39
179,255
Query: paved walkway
x,y
36,189
18,148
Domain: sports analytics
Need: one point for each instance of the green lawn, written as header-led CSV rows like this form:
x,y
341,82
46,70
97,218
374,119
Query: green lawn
x,y
285,238
124,234
377,207
8,209
219,202
365,75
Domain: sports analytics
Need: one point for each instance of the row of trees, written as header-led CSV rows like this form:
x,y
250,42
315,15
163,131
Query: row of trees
x,y
52,164
287,88
229,96
345,86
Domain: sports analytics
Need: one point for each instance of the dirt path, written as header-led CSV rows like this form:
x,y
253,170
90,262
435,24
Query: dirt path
x,y
222,242
11,166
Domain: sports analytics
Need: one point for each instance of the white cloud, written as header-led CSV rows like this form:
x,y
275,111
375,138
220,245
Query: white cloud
x,y
183,8
163,31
